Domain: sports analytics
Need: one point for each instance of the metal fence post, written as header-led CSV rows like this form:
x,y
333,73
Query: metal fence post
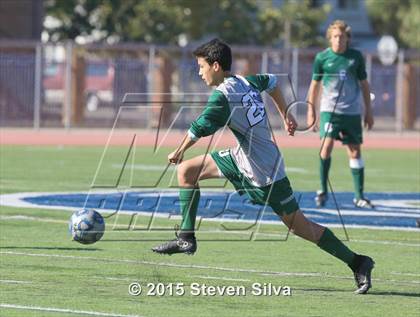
x,y
295,70
67,93
369,67
264,70
295,76
399,93
264,62
37,86
150,79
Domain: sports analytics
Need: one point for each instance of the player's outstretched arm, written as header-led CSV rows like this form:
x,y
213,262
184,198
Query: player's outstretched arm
x,y
215,115
313,94
176,156
289,121
368,117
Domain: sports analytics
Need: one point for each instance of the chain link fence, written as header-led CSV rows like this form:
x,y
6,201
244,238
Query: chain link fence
x,y
17,78
68,85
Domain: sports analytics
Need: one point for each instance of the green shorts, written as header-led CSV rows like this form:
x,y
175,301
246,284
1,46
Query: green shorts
x,y
278,195
347,128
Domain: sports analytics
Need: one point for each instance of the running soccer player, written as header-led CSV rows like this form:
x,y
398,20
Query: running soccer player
x,y
342,72
255,166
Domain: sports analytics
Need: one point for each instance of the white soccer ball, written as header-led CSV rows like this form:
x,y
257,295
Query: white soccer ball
x,y
86,226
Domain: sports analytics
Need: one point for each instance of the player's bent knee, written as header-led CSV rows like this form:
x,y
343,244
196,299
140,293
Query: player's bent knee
x,y
182,169
187,174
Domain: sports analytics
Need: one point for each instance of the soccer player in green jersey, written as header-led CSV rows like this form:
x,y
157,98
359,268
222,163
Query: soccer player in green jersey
x,y
340,70
255,166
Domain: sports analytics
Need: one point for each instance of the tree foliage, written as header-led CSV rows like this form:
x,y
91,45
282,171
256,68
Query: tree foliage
x,y
303,22
399,18
234,21
165,21
73,18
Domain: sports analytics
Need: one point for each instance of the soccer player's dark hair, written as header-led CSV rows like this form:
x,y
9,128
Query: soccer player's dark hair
x,y
215,51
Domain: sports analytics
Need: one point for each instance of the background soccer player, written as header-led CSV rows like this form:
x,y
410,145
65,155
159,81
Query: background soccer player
x,y
343,75
255,166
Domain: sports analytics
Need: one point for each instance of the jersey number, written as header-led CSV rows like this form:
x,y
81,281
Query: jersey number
x,y
256,111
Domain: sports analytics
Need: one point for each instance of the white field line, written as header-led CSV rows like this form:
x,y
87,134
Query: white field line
x,y
163,264
14,282
221,278
161,168
198,267
386,281
30,218
410,203
62,310
415,245
406,274
14,200
396,281
144,167
133,229
389,228
364,213
292,236
248,233
118,279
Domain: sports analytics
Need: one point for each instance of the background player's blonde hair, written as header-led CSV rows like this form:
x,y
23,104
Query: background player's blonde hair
x,y
342,26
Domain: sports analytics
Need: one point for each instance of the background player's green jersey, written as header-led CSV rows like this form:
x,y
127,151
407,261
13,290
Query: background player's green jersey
x,y
237,103
340,75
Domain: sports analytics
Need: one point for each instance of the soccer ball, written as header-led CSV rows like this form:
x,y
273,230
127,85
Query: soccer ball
x,y
86,226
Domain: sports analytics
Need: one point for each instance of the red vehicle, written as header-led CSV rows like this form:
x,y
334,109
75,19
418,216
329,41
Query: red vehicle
x,y
99,79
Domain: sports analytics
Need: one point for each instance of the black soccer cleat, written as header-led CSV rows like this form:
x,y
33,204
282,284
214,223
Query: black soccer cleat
x,y
363,203
178,245
321,198
362,275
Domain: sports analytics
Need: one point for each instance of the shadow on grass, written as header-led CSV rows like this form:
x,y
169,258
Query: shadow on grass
x,y
393,293
371,293
53,248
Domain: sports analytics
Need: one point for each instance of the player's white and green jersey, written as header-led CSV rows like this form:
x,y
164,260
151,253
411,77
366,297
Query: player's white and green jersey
x,y
237,103
340,75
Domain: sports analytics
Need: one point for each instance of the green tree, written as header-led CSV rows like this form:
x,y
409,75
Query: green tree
x,y
296,22
164,21
72,16
154,21
234,21
399,18
271,25
410,24
119,20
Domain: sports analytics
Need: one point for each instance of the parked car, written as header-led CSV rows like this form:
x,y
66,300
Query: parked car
x,y
99,79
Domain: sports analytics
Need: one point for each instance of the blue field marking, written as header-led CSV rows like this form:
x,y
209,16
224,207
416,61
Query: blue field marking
x,y
392,209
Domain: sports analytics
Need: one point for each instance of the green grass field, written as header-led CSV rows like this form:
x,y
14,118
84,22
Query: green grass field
x,y
41,267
